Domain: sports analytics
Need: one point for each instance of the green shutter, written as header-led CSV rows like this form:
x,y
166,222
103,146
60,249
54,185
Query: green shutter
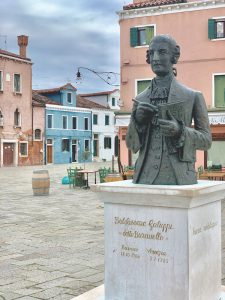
x,y
149,33
133,37
219,91
211,29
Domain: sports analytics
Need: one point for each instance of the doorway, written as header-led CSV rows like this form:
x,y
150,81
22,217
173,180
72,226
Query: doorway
x,y
8,154
74,150
96,146
49,150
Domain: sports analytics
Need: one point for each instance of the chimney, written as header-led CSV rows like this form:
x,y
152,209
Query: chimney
x,y
23,42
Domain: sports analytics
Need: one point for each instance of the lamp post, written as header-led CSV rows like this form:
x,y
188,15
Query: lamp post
x,y
109,78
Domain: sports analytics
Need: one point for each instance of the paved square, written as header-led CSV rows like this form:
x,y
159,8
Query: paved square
x,y
51,247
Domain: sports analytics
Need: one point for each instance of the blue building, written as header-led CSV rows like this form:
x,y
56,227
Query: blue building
x,y
68,130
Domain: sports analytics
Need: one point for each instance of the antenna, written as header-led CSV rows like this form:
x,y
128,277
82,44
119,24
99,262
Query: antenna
x,y
4,38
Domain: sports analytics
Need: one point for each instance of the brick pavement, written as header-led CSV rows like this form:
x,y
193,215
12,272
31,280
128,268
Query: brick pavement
x,y
51,247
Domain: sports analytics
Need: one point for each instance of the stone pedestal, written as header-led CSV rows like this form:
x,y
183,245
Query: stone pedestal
x,y
162,242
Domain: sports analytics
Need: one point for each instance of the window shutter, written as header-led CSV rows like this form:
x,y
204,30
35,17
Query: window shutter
x,y
133,36
211,29
149,33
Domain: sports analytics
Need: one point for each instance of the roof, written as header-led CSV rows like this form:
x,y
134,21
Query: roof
x,y
99,93
58,89
85,103
40,100
152,3
4,52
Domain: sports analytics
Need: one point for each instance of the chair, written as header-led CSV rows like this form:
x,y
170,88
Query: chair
x,y
103,172
200,170
76,178
72,176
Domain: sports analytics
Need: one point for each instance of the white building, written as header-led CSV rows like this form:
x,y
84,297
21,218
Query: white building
x,y
103,129
109,99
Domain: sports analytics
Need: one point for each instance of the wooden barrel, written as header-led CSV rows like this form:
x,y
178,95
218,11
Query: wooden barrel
x,y
40,183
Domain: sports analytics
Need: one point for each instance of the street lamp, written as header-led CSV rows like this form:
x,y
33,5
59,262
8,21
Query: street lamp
x,y
108,77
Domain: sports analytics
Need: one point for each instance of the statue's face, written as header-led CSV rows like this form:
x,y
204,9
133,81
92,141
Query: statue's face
x,y
160,56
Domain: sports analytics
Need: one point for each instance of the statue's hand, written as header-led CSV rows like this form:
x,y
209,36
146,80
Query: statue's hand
x,y
145,112
170,127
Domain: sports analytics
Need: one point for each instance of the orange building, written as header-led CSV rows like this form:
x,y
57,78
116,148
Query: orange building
x,y
18,145
199,29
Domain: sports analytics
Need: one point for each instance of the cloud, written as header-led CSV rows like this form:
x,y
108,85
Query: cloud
x,y
64,35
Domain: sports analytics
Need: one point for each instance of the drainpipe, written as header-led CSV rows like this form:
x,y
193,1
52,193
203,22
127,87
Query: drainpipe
x,y
32,125
91,144
44,138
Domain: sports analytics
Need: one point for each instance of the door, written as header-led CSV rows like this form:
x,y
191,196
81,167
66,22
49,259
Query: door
x,y
8,154
74,150
49,151
96,146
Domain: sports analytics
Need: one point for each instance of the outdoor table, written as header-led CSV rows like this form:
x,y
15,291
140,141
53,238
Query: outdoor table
x,y
87,172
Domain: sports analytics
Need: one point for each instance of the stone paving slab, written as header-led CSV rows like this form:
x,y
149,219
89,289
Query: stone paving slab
x,y
48,245
52,247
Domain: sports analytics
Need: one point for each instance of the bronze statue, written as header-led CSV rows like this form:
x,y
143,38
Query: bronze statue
x,y
161,122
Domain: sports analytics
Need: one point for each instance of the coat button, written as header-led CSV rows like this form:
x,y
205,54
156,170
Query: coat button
x,y
157,156
156,167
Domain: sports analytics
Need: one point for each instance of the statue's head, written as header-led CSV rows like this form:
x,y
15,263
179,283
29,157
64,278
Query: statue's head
x,y
162,54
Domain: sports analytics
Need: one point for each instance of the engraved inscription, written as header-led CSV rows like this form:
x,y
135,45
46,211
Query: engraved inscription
x,y
206,227
152,229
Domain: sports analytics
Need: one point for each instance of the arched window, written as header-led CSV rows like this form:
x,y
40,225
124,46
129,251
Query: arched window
x,y
37,134
17,118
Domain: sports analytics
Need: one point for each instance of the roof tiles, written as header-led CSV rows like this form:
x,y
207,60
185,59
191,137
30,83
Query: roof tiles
x,y
152,3
7,53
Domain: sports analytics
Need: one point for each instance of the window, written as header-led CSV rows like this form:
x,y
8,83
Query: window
x,y
64,121
219,90
141,36
216,28
49,142
87,145
65,145
107,142
1,80
37,134
49,121
23,149
113,102
85,123
17,83
106,119
215,154
74,122
17,118
95,119
69,97
1,120
142,85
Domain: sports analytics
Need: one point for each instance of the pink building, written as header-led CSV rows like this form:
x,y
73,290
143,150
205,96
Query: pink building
x,y
16,115
199,29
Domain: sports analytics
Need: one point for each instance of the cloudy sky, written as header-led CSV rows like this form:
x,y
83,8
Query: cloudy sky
x,y
65,35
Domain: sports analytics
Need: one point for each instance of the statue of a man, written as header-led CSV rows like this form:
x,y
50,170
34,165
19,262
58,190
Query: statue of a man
x,y
167,145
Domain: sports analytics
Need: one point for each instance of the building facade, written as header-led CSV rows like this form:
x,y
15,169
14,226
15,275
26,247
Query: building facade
x,y
68,128
16,115
103,134
110,99
199,29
